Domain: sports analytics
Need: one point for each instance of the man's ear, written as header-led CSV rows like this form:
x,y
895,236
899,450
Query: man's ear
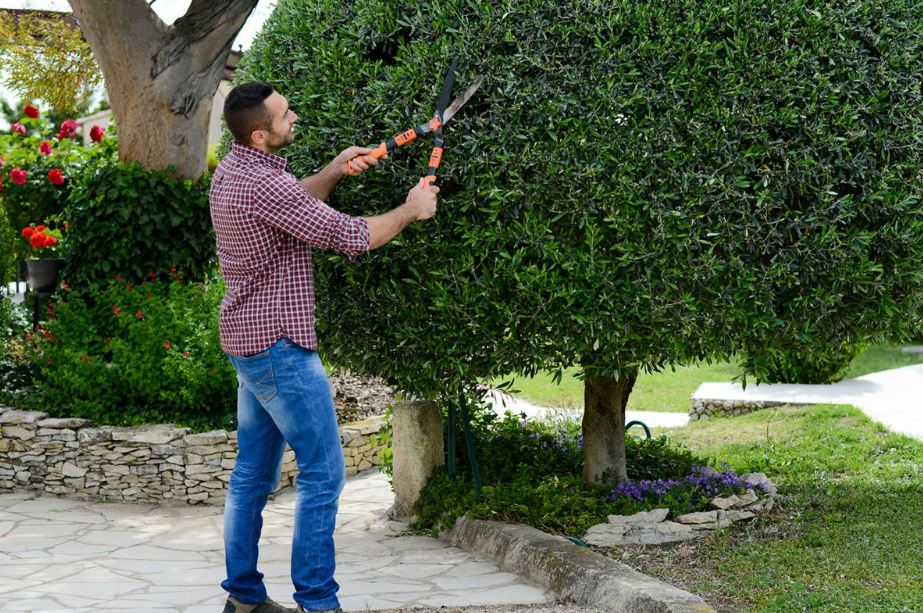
x,y
258,137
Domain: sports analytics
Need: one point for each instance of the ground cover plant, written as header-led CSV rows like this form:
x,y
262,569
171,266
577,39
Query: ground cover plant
x,y
531,474
845,532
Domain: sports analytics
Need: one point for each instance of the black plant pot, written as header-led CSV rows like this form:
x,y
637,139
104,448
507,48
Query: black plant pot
x,y
42,275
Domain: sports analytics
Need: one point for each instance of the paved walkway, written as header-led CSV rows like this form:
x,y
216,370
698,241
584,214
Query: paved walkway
x,y
892,397
86,557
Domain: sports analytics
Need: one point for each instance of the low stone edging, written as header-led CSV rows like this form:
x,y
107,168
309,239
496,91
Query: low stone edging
x,y
702,408
161,463
571,571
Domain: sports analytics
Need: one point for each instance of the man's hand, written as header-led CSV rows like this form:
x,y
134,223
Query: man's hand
x,y
421,201
358,158
420,204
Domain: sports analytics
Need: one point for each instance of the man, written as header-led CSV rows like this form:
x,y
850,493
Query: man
x,y
266,224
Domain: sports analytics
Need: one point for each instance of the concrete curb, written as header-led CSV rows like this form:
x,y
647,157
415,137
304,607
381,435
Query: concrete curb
x,y
571,571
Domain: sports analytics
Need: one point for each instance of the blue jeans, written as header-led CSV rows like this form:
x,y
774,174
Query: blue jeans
x,y
283,396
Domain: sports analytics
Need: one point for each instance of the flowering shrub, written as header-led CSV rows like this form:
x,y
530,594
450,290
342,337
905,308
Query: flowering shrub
x,y
136,353
36,167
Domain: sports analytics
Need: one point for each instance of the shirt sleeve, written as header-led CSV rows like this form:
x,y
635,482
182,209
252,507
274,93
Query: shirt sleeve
x,y
284,203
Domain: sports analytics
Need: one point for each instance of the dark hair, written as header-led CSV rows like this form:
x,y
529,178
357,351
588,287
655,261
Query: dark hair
x,y
245,111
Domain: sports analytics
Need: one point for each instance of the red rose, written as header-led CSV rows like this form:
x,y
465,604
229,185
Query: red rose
x,y
55,176
40,228
18,176
167,344
18,127
50,241
68,128
45,148
96,134
27,232
31,111
37,240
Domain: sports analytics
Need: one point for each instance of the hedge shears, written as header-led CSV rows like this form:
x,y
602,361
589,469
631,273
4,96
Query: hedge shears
x,y
444,112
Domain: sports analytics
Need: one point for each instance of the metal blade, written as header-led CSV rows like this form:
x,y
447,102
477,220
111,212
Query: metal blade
x,y
461,100
446,91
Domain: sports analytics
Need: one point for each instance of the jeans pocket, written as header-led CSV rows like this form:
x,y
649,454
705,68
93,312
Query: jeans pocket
x,y
255,372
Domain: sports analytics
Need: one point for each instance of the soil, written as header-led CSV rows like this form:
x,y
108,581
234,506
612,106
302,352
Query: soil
x,y
358,398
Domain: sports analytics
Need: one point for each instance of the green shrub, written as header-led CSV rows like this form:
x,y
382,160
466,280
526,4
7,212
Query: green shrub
x,y
132,354
635,183
8,243
817,365
130,221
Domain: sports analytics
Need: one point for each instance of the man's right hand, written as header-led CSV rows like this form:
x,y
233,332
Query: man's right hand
x,y
421,200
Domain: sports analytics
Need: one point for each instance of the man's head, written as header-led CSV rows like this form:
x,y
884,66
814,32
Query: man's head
x,y
258,115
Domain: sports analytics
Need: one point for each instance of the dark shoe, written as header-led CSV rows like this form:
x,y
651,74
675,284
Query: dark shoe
x,y
337,610
267,606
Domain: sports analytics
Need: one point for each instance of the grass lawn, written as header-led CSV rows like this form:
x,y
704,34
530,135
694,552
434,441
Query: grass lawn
x,y
845,535
670,390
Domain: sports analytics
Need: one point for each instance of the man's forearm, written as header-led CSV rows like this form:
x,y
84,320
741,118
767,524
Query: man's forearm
x,y
383,228
321,185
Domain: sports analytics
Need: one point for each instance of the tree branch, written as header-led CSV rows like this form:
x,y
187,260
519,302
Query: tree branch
x,y
205,18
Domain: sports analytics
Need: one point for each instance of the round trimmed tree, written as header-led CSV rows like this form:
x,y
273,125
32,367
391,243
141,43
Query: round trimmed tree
x,y
636,184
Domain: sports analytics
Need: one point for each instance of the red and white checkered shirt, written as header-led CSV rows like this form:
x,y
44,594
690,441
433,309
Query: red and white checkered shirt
x,y
266,224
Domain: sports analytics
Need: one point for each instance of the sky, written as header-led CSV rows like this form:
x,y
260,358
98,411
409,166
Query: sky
x,y
168,10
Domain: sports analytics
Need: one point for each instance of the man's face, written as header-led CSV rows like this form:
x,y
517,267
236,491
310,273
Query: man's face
x,y
282,130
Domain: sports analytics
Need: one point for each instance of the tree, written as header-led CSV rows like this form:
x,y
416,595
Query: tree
x,y
47,59
636,184
160,78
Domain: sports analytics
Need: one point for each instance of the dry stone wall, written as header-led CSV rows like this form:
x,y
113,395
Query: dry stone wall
x,y
74,458
704,408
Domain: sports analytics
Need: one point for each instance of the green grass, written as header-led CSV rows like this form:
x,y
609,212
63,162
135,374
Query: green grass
x,y
845,534
669,391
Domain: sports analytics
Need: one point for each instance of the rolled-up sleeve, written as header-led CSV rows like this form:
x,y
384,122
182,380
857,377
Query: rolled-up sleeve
x,y
284,203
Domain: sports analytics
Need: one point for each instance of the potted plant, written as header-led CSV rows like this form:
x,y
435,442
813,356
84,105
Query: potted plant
x,y
43,269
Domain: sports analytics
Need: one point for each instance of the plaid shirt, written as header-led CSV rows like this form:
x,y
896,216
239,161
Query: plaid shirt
x,y
266,224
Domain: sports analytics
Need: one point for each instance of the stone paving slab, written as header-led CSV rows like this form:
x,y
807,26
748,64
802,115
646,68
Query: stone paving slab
x,y
87,557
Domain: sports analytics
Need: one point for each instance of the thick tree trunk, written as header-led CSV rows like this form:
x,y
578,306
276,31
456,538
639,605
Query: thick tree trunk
x,y
161,79
604,428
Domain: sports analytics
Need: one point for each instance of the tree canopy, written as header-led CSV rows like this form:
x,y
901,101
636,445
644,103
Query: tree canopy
x,y
635,184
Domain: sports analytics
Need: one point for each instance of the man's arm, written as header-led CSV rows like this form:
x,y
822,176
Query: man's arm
x,y
321,184
420,204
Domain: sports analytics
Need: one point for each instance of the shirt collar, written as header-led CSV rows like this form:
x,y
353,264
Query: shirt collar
x,y
258,155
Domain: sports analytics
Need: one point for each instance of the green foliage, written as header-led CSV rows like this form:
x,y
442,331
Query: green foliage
x,y
131,354
812,365
635,183
127,220
531,474
48,59
8,241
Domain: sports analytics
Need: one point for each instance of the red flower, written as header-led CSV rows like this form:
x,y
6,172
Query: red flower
x,y
1,161
31,111
50,241
185,354
37,240
117,312
18,176
68,128
27,232
64,286
96,134
55,176
18,127
39,228
118,278
167,344
45,148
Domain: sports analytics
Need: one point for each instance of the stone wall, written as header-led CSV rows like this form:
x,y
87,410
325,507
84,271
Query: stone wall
x,y
702,408
71,457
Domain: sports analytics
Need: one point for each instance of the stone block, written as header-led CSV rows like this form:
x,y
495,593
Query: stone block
x,y
72,470
90,436
725,503
18,432
417,441
71,423
706,517
16,417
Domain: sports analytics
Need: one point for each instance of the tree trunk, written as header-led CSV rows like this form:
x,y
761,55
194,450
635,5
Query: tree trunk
x,y
604,428
162,79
